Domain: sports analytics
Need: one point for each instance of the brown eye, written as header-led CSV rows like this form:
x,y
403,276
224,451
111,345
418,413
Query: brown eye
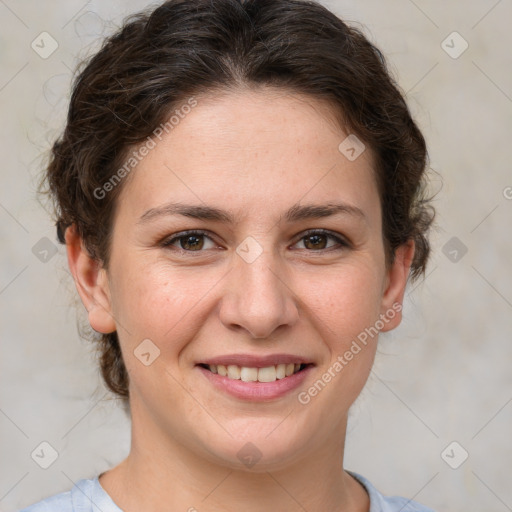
x,y
315,241
191,241
318,240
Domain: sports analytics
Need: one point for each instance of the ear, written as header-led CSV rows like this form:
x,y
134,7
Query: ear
x,y
394,286
91,282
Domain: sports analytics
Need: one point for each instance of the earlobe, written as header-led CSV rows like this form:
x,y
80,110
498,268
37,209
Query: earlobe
x,y
393,296
91,283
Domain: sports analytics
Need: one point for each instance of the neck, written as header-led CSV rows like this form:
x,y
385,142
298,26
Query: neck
x,y
161,473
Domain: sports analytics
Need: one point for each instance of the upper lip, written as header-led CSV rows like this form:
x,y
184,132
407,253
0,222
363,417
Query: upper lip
x,y
253,361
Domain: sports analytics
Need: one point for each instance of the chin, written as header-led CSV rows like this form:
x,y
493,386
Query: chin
x,y
257,445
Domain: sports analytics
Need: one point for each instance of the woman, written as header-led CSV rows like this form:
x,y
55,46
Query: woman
x,y
240,190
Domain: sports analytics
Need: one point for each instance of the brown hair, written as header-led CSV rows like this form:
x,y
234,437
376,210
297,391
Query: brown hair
x,y
157,60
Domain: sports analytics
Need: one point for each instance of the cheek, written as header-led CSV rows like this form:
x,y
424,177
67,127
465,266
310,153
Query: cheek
x,y
347,310
347,301
161,303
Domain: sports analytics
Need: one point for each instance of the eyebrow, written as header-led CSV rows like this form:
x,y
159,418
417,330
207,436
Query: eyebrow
x,y
296,213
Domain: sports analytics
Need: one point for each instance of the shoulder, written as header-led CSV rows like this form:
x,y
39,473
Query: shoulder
x,y
381,503
86,495
61,502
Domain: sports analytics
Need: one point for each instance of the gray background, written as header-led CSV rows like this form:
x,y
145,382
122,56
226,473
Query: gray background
x,y
443,376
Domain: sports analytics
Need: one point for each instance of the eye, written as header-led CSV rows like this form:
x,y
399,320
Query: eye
x,y
189,241
316,240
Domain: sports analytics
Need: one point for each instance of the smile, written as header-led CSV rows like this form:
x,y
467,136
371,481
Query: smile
x,y
250,374
259,384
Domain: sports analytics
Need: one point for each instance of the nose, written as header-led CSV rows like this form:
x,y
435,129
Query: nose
x,y
257,297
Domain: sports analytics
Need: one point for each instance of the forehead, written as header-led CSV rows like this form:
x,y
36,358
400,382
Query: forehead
x,y
252,149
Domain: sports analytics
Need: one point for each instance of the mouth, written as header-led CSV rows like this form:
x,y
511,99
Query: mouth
x,y
266,374
256,383
256,377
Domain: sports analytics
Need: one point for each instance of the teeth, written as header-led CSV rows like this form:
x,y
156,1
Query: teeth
x,y
267,374
233,371
248,374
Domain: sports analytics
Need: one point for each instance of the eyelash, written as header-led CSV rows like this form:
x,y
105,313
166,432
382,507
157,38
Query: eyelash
x,y
343,243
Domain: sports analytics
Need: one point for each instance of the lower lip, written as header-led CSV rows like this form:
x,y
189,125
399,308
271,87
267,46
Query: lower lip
x,y
256,391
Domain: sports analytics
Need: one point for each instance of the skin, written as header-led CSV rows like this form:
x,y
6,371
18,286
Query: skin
x,y
255,153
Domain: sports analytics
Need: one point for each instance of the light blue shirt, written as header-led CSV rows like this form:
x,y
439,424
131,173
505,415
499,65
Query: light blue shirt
x,y
89,496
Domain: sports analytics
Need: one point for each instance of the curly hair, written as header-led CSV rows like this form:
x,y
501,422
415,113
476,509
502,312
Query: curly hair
x,y
159,58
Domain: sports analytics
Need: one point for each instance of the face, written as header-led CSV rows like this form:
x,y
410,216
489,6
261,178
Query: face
x,y
254,265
